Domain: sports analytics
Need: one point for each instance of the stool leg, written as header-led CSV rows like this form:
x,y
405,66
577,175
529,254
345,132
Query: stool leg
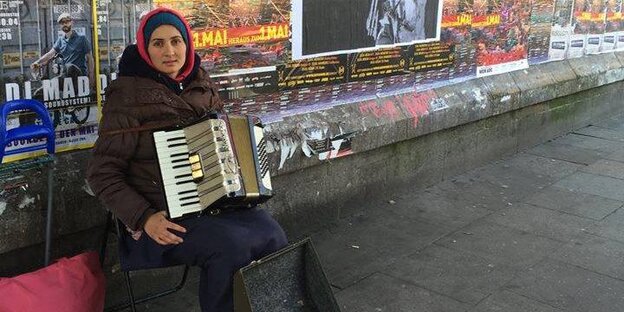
x,y
109,223
130,292
126,275
48,234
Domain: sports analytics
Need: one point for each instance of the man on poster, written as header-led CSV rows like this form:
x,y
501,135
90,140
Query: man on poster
x,y
74,49
396,21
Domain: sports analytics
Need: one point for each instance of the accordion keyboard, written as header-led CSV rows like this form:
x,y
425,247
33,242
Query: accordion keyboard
x,y
197,166
175,168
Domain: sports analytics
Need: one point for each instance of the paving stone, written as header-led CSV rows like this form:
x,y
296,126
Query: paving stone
x,y
614,123
515,184
459,275
593,184
429,206
570,288
506,301
594,253
588,142
603,133
611,227
617,155
566,152
383,293
540,221
362,245
575,203
609,168
474,192
501,244
541,165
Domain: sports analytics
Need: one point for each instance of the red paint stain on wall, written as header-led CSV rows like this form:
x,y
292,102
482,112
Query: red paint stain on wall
x,y
417,104
387,109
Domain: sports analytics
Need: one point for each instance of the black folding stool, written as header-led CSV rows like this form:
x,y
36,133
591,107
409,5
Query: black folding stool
x,y
132,302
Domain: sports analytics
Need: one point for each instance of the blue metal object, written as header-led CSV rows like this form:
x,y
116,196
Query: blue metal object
x,y
26,132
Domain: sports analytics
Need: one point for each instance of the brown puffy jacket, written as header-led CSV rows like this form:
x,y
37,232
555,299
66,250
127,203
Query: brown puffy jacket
x,y
123,171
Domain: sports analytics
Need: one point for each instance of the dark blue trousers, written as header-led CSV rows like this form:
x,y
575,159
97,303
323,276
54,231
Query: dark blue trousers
x,y
219,245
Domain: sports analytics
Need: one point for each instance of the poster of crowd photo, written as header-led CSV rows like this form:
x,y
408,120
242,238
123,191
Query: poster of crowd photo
x,y
456,32
240,41
328,27
500,33
46,49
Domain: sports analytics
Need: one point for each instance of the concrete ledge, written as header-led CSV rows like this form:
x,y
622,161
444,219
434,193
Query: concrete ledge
x,y
383,121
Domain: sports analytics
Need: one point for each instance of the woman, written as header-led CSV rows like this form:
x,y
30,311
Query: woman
x,y
161,84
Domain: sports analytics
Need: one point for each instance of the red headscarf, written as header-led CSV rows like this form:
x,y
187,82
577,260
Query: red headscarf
x,y
190,50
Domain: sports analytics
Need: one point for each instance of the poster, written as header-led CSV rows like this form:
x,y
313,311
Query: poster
x,y
329,27
456,33
431,61
597,25
500,33
561,30
377,64
313,72
240,42
47,54
539,34
581,21
613,26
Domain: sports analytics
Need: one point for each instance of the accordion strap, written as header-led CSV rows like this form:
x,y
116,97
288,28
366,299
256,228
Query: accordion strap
x,y
139,129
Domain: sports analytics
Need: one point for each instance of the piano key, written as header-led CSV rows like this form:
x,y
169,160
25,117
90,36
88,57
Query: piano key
x,y
179,210
170,156
166,135
178,200
174,190
173,174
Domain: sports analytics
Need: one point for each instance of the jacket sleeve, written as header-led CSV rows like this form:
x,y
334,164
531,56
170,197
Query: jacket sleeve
x,y
106,172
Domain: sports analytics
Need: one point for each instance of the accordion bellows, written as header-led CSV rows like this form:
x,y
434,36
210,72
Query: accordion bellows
x,y
212,164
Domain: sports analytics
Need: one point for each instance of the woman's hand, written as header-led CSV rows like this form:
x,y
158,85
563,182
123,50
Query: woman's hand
x,y
157,227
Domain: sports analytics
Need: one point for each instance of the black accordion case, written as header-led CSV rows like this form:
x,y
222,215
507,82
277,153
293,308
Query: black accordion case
x,y
289,280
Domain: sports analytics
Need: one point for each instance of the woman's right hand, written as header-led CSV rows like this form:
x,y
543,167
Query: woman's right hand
x,y
157,227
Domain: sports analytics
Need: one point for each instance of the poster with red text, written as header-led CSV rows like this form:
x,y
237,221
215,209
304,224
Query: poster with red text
x,y
240,42
456,32
500,34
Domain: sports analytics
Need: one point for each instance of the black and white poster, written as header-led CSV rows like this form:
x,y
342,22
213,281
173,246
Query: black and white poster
x,y
329,27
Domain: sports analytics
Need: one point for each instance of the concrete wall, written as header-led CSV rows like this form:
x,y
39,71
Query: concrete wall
x,y
419,137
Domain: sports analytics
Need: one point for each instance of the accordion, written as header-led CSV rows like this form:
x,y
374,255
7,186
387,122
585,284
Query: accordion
x,y
213,164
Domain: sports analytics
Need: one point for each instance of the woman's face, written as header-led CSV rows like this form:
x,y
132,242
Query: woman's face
x,y
167,50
